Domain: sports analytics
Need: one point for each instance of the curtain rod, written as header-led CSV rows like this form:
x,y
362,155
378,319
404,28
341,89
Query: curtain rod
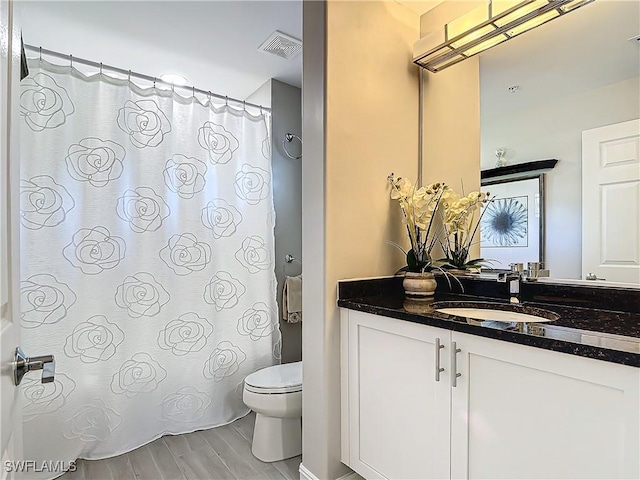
x,y
142,76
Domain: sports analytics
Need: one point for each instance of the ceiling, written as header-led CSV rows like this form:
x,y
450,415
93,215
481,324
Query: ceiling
x,y
211,43
584,50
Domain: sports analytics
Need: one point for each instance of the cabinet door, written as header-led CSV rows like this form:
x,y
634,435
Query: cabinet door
x,y
397,417
524,412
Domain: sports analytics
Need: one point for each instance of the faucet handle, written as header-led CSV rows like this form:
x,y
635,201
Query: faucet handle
x,y
517,267
533,271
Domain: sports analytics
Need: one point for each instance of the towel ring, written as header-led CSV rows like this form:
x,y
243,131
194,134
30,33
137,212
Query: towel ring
x,y
288,260
289,137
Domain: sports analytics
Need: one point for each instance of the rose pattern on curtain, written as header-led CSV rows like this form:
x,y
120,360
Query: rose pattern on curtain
x,y
147,261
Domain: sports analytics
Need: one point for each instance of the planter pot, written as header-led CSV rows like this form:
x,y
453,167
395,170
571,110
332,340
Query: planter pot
x,y
419,285
422,305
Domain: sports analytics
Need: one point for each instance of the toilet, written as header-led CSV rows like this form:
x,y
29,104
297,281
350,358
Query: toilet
x,y
275,394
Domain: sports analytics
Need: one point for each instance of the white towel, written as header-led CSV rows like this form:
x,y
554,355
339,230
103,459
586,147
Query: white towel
x,y
292,299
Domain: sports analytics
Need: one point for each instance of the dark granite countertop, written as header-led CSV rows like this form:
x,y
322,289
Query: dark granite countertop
x,y
608,335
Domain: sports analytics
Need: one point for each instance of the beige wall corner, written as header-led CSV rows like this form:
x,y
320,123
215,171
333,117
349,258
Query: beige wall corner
x,y
451,103
360,123
451,134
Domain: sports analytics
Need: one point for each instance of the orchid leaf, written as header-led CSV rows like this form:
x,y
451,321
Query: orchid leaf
x,y
389,242
477,260
412,261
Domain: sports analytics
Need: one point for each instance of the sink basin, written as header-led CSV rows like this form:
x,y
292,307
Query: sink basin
x,y
494,315
496,312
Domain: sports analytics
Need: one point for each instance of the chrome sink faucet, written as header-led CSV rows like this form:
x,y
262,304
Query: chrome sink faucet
x,y
513,277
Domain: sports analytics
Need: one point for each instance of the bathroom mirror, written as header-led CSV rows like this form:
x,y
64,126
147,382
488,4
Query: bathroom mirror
x,y
512,226
538,93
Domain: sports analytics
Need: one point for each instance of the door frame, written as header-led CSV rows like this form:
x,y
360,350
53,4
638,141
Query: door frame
x,y
11,443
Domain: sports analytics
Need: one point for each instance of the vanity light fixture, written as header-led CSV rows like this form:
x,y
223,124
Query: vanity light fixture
x,y
486,27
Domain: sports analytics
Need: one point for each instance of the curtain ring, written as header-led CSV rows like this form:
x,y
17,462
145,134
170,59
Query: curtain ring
x,y
40,49
129,77
154,83
100,68
260,109
244,105
193,92
71,61
226,101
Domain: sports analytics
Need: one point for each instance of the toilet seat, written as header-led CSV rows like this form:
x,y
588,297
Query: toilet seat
x,y
266,391
285,378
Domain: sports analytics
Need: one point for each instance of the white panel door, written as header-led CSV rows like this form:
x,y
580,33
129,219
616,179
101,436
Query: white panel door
x,y
398,414
10,412
524,412
611,202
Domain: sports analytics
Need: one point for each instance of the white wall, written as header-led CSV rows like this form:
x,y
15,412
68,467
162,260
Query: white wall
x,y
214,44
319,381
554,130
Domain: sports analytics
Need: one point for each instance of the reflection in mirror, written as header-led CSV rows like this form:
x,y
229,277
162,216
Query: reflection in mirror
x,y
538,94
512,227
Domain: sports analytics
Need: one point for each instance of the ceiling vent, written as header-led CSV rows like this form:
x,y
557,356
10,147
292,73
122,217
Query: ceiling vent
x,y
282,45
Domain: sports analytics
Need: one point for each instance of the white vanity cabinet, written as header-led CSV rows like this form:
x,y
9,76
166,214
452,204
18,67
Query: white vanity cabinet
x,y
521,411
515,412
395,415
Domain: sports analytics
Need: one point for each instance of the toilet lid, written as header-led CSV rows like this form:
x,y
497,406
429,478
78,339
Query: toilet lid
x,y
287,376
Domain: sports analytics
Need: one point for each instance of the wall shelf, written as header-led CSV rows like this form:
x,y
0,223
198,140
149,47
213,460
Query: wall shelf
x,y
518,170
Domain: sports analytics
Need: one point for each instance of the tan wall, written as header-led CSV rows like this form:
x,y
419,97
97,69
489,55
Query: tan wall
x,y
370,128
451,131
372,131
451,141
448,10
451,102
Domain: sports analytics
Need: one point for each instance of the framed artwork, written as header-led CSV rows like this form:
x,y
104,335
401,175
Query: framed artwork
x,y
505,223
511,227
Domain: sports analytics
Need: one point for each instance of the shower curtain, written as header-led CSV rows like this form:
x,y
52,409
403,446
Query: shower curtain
x,y
147,261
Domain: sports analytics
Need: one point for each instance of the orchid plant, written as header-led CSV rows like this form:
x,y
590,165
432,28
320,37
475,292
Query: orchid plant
x,y
461,224
419,207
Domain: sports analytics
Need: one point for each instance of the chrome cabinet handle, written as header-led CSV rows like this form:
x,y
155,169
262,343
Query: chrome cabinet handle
x,y
438,369
23,364
454,364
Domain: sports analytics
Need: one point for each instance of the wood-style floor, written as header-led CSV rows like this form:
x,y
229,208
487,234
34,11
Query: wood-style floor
x,y
218,453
